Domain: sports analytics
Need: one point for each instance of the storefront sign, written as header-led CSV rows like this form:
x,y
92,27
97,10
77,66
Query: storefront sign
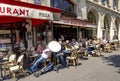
x,y
73,23
91,26
19,11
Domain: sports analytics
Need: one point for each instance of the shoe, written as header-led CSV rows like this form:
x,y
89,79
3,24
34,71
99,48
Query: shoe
x,y
29,71
36,74
67,66
56,69
89,55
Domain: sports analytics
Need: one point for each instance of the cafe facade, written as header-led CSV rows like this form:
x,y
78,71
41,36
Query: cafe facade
x,y
25,21
73,28
71,23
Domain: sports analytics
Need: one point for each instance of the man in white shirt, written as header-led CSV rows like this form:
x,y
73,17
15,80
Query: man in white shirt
x,y
45,54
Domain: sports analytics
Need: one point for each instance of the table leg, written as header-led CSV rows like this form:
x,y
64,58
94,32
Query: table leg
x,y
1,76
55,61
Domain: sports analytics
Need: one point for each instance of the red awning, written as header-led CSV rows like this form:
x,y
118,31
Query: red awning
x,y
10,19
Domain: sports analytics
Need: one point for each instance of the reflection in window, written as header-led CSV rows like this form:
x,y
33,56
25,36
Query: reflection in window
x,y
37,1
65,5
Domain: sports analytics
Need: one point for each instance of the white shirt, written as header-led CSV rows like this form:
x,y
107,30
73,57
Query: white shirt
x,y
46,53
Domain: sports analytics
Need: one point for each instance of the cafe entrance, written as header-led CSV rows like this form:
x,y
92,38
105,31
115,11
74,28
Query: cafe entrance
x,y
68,32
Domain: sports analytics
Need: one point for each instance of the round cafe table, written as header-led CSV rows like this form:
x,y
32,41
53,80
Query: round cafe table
x,y
35,56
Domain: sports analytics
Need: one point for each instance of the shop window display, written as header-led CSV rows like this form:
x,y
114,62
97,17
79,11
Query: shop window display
x,y
5,40
43,35
66,32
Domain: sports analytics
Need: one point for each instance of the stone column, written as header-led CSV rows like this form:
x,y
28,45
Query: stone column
x,y
81,9
112,28
100,25
111,3
23,0
90,0
29,35
29,1
17,36
99,2
47,3
119,5
119,31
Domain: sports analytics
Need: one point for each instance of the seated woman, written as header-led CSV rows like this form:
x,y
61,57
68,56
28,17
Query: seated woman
x,y
39,49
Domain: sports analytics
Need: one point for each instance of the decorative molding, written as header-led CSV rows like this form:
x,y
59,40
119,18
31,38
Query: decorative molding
x,y
100,5
101,9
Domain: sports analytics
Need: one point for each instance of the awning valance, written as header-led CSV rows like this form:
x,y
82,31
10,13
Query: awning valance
x,y
15,11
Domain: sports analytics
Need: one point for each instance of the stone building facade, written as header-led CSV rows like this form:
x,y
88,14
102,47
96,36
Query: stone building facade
x,y
105,14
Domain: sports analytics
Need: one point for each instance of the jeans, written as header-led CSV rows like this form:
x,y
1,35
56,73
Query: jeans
x,y
66,51
62,60
34,67
90,49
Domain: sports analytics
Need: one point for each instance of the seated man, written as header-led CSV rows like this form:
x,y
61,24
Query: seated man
x,y
45,54
52,65
90,49
62,60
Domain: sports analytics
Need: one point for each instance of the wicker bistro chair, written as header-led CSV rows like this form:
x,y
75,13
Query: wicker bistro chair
x,y
97,51
18,68
113,47
73,58
49,59
116,42
82,52
107,47
11,62
6,56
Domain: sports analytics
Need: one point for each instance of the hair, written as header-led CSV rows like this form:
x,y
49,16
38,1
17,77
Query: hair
x,y
68,46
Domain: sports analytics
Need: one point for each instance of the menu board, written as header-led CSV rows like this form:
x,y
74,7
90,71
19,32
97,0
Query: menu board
x,y
5,32
5,40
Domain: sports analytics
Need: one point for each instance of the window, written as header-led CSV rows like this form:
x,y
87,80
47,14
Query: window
x,y
37,1
107,1
103,1
65,5
95,0
91,18
115,4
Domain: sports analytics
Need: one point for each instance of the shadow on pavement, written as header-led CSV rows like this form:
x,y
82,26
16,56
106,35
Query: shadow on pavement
x,y
113,60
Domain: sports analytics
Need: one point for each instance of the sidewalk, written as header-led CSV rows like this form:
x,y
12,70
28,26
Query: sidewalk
x,y
104,68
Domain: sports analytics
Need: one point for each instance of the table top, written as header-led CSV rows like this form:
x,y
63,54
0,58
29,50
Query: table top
x,y
35,55
2,61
